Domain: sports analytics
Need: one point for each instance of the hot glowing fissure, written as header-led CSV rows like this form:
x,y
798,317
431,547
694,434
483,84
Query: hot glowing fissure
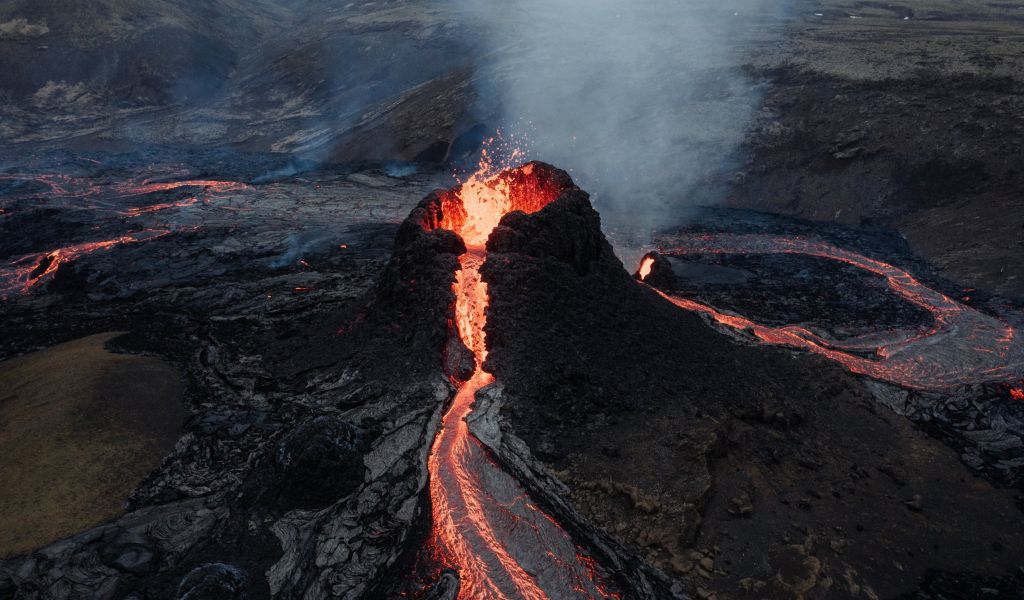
x,y
485,525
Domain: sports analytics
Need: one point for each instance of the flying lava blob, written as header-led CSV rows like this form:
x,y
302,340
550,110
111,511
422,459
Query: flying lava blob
x,y
485,525
962,345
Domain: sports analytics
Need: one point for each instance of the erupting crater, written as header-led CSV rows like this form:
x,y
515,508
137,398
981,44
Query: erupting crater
x,y
485,526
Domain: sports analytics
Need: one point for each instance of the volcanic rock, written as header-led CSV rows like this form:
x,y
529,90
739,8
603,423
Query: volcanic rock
x,y
134,558
659,274
320,461
567,230
584,355
304,460
216,581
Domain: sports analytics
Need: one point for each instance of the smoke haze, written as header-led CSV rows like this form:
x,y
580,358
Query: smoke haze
x,y
641,101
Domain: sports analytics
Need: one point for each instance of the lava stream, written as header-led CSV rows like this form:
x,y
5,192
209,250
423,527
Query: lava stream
x,y
73,191
963,346
24,273
485,525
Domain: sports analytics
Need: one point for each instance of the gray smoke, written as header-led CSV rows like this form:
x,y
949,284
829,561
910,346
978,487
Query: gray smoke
x,y
642,101
301,243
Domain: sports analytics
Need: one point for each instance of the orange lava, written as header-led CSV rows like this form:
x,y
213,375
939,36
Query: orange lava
x,y
85,193
962,346
215,186
69,186
481,514
152,208
645,267
1017,393
26,272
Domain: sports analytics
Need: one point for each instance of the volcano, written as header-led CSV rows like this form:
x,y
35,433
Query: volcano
x,y
482,402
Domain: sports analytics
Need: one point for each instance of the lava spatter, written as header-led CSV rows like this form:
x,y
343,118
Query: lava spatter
x,y
961,346
485,525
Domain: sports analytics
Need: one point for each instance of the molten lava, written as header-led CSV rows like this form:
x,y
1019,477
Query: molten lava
x,y
645,267
962,346
26,272
485,525
215,186
86,193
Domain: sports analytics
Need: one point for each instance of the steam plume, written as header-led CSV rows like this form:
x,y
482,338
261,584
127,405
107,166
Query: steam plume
x,y
641,101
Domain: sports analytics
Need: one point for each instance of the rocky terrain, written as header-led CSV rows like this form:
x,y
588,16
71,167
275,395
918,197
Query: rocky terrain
x,y
261,319
900,114
244,190
312,78
755,485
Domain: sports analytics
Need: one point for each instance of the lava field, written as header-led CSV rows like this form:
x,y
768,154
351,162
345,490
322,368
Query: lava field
x,y
672,300
385,404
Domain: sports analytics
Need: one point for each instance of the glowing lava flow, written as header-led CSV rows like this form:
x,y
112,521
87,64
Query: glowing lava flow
x,y
963,346
485,525
28,271
215,186
78,189
24,273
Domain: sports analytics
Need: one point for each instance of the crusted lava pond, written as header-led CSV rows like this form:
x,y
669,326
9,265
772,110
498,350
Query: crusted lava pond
x,y
476,400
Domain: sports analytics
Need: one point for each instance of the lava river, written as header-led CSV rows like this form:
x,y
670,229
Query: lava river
x,y
962,345
105,202
485,525
25,272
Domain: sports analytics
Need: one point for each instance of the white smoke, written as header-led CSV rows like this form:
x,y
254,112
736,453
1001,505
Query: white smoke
x,y
642,101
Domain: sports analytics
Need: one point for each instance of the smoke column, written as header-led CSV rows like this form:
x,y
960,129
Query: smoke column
x,y
642,101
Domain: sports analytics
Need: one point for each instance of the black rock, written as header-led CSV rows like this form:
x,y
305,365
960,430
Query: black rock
x,y
446,587
215,581
656,270
134,558
320,462
568,230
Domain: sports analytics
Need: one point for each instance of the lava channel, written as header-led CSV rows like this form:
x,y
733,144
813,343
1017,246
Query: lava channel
x,y
485,525
962,346
73,191
26,272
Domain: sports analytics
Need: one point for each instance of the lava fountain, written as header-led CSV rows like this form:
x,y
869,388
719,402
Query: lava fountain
x,y
485,525
962,345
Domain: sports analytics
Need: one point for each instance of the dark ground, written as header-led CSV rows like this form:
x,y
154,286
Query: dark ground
x,y
906,117
743,471
740,470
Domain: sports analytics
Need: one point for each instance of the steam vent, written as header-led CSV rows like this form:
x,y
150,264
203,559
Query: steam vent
x,y
518,300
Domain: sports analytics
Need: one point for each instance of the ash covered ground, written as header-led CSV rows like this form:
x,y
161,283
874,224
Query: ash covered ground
x,y
230,306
